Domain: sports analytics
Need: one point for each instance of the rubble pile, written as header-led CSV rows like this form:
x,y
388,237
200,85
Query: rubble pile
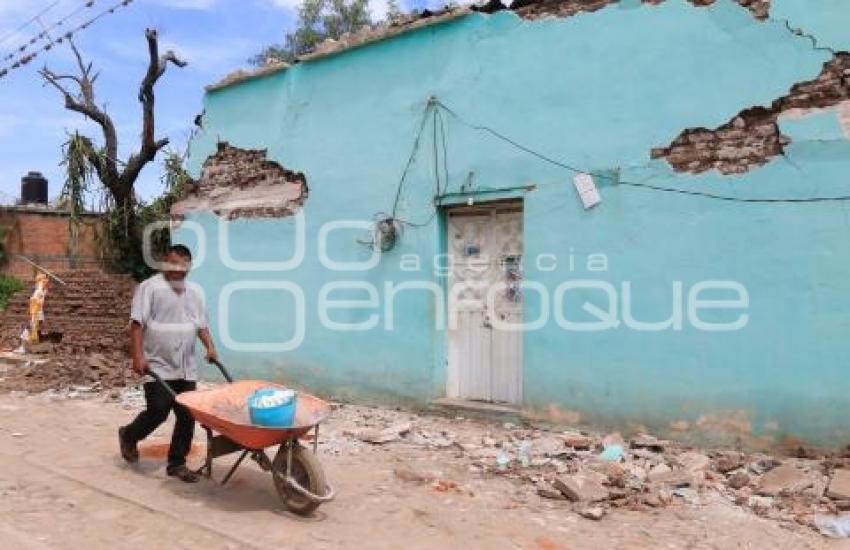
x,y
591,474
77,372
91,312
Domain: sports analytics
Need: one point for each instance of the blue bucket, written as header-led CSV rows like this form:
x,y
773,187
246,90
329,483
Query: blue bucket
x,y
278,416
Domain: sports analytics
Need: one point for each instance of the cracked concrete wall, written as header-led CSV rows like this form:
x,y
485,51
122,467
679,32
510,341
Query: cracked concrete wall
x,y
597,90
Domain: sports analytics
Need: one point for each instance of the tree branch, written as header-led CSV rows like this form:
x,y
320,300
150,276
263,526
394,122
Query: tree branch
x,y
82,100
156,68
83,103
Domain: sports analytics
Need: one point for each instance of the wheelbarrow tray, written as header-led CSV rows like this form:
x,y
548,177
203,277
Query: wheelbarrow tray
x,y
225,410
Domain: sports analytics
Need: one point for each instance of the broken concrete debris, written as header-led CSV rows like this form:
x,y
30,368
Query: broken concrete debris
x,y
839,486
78,373
739,480
564,469
379,437
785,479
581,487
593,512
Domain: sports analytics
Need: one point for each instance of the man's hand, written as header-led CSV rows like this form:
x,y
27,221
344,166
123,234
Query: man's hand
x,y
140,365
206,340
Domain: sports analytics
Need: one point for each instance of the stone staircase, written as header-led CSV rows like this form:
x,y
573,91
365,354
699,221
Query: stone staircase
x,y
91,312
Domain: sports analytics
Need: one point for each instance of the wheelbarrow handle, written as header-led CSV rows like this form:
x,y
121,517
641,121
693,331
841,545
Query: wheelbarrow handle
x,y
159,379
224,371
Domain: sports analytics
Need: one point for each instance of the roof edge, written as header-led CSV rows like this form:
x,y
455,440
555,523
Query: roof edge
x,y
332,47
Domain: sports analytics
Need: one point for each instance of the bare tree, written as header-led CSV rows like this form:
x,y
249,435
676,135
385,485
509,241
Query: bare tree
x,y
119,178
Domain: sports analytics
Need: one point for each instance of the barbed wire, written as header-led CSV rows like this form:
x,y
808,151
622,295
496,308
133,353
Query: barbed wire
x,y
26,59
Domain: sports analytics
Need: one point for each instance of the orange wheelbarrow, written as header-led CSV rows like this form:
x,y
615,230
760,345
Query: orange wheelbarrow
x,y
298,475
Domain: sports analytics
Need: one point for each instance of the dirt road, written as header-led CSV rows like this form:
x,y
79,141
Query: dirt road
x,y
63,485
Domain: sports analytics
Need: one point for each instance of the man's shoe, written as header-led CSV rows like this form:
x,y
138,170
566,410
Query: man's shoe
x,y
182,473
128,450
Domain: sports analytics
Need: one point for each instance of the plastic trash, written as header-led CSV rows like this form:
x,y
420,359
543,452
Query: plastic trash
x,y
837,527
502,461
612,453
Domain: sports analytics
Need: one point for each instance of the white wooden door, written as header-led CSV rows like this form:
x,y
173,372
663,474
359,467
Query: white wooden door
x,y
485,354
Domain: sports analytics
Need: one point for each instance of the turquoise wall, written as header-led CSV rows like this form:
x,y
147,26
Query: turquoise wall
x,y
598,91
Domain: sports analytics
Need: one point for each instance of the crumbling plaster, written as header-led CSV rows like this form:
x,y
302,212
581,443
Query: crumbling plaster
x,y
238,183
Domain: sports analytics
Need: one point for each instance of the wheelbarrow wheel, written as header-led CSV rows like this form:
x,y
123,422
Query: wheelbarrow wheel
x,y
307,471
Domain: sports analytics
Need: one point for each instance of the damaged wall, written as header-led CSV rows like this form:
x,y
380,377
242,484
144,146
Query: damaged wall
x,y
752,137
238,183
534,9
597,90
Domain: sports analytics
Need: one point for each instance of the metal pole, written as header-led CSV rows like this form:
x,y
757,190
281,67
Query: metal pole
x,y
46,272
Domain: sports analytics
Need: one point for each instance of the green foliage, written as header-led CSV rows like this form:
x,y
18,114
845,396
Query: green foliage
x,y
79,175
394,13
118,243
176,180
4,233
8,287
317,21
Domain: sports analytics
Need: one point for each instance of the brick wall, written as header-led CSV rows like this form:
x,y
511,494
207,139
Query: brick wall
x,y
44,236
751,138
238,183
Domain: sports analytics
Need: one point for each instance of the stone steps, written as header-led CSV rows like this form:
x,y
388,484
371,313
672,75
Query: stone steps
x,y
91,310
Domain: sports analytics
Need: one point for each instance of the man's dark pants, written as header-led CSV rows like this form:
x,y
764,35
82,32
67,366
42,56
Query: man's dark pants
x,y
159,403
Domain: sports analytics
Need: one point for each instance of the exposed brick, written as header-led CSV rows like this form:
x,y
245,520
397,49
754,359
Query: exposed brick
x,y
751,138
244,183
44,236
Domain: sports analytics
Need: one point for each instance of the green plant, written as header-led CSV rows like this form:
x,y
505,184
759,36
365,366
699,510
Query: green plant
x,y
78,179
8,287
4,233
317,21
176,180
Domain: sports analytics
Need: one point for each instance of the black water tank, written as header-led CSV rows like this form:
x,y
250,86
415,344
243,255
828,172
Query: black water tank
x,y
34,188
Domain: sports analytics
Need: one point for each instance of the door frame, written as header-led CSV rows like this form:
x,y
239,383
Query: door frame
x,y
512,197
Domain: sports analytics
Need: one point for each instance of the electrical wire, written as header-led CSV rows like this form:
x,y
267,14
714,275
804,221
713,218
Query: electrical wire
x,y
45,31
445,152
8,36
25,59
616,180
436,154
411,158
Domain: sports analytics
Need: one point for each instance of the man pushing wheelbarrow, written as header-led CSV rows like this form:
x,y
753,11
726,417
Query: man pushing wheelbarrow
x,y
166,318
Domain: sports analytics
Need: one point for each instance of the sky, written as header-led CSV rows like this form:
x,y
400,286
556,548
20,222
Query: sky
x,y
214,36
